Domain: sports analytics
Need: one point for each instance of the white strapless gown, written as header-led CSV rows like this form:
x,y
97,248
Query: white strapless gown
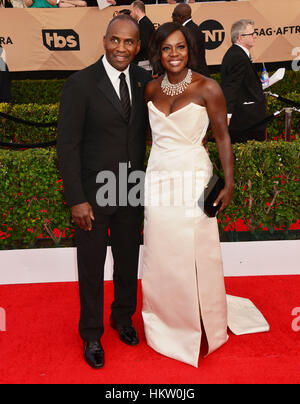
x,y
182,278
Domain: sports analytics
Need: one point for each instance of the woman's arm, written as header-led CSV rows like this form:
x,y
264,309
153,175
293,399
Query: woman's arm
x,y
150,90
217,112
72,3
52,2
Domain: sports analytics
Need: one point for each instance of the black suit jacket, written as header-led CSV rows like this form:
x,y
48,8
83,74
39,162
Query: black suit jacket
x,y
4,79
243,90
146,31
93,134
199,38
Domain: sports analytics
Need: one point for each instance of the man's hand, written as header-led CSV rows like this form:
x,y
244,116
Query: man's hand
x,y
83,215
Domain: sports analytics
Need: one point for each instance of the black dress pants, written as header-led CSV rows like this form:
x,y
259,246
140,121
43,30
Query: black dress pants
x,y
243,137
4,86
125,236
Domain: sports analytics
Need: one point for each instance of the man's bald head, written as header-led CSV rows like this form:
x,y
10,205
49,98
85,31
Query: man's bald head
x,y
122,18
182,13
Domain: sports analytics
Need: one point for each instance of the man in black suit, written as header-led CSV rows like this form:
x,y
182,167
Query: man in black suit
x,y
182,14
102,126
242,87
138,12
4,78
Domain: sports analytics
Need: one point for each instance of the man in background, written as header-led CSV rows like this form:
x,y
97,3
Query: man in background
x,y
138,12
182,14
242,87
4,78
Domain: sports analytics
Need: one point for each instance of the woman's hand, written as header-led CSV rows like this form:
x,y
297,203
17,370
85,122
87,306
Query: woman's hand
x,y
225,196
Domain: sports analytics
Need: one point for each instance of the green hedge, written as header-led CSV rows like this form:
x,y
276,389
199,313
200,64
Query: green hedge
x,y
38,101
20,133
267,185
36,91
32,201
49,91
32,198
276,128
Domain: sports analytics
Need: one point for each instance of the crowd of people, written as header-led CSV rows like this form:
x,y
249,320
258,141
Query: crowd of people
x,y
84,3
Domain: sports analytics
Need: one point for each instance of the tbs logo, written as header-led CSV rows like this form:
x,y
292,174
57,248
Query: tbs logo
x,y
61,40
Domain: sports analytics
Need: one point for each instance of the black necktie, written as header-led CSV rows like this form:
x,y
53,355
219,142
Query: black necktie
x,y
124,95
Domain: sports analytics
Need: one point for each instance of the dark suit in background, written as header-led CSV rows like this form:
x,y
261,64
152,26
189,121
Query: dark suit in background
x,y
4,79
244,95
199,38
94,136
4,87
146,31
182,14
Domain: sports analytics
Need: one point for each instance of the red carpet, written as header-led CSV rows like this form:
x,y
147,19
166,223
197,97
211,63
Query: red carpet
x,y
41,343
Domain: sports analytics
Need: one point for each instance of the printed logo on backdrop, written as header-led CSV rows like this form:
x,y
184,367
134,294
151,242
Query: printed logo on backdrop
x,y
214,34
5,40
278,31
61,40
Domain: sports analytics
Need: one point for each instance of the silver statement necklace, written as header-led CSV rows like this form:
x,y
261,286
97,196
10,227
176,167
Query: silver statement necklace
x,y
176,89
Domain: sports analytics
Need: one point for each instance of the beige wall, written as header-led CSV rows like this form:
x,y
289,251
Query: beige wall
x,y
21,32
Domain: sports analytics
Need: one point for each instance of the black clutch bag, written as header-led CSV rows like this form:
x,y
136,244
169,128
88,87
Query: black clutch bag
x,y
210,194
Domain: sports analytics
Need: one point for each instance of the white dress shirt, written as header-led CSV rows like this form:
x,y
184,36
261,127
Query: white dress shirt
x,y
114,76
186,22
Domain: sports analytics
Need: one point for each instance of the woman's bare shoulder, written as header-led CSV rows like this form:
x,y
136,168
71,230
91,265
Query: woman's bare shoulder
x,y
205,83
208,88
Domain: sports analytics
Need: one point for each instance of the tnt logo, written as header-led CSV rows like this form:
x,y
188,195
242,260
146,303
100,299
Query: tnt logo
x,y
61,40
214,34
2,320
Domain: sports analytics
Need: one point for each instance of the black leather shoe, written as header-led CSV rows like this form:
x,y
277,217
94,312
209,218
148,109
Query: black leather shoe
x,y
127,334
94,354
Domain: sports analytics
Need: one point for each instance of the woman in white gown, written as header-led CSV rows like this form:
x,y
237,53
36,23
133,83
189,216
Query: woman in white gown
x,y
183,281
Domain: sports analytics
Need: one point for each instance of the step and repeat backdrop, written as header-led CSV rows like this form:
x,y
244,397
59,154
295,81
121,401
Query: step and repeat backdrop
x,y
71,39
